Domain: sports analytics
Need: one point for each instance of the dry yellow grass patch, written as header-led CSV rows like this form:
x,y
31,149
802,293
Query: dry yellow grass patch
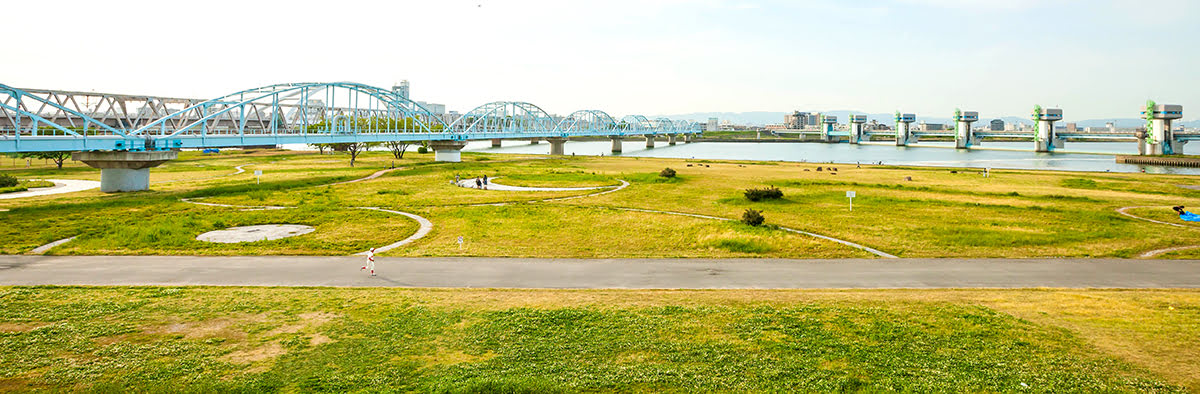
x,y
260,353
213,328
21,327
451,357
319,339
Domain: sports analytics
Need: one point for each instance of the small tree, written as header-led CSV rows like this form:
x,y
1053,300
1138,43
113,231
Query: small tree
x,y
667,173
320,148
397,148
58,157
354,149
752,217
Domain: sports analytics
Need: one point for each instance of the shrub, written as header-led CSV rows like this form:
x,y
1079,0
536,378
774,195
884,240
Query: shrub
x,y
10,181
1079,183
667,173
752,217
422,149
766,193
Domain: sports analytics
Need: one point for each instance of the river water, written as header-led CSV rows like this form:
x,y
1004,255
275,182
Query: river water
x,y
1078,156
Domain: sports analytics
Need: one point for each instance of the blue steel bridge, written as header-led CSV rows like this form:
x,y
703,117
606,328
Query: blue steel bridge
x,y
126,135
36,120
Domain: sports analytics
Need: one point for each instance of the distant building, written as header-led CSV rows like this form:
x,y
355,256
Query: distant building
x,y
1072,127
451,117
800,120
713,125
931,126
401,89
437,109
1112,127
997,125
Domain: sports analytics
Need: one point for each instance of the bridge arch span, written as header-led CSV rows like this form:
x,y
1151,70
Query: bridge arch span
x,y
503,117
587,120
299,108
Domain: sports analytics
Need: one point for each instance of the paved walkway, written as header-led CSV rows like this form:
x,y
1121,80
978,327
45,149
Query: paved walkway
x,y
60,186
599,273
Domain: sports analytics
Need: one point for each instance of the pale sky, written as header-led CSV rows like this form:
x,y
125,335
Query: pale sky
x,y
1094,59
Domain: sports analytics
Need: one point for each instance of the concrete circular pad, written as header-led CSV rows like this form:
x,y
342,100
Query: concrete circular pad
x,y
262,232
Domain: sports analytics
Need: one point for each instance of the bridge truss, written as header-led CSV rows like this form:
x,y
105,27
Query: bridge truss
x,y
295,113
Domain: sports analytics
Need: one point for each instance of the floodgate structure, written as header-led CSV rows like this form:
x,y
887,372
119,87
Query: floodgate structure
x,y
1158,138
126,135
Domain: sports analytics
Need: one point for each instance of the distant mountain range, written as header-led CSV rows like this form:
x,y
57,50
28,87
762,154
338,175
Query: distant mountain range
x,y
760,118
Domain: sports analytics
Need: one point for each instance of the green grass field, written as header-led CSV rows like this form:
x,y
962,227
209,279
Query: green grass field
x,y
104,339
311,339
938,213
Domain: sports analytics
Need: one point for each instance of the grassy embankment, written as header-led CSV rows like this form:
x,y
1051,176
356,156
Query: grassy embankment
x,y
938,213
222,339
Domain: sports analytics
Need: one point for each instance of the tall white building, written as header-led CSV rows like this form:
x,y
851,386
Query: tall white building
x,y
713,125
401,89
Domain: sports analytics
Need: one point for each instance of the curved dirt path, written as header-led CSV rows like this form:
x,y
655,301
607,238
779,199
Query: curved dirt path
x,y
46,248
824,237
1153,253
425,226
1124,211
60,186
366,178
422,231
625,184
1156,252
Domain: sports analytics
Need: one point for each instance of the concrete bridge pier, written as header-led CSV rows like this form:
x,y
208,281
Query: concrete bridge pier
x,y
1044,137
670,139
533,141
124,171
904,135
495,142
856,127
687,138
450,151
1160,140
616,144
964,137
556,145
649,141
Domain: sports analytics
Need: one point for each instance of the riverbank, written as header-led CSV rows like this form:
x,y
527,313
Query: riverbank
x,y
899,210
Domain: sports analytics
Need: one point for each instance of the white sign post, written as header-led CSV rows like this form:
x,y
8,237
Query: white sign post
x,y
460,242
850,195
257,177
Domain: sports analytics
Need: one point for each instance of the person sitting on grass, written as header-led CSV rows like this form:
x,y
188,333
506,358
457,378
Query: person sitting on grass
x,y
1185,215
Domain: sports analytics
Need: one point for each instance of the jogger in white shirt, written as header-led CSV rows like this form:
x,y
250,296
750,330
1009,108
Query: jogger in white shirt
x,y
370,261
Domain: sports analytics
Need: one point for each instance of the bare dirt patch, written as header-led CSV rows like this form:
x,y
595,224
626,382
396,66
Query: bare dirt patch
x,y
261,353
227,328
454,357
311,319
319,339
21,327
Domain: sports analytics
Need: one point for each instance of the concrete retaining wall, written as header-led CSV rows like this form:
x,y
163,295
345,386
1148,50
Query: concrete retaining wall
x,y
1159,161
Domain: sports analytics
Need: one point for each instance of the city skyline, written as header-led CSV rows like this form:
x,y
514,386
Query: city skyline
x,y
1093,59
